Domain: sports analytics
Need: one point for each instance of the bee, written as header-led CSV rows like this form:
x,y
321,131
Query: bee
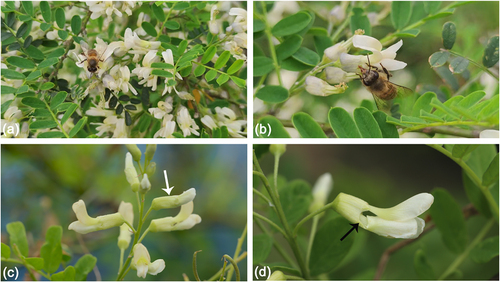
x,y
384,91
92,57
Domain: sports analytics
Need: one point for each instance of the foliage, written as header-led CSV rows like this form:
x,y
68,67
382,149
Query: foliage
x,y
460,98
162,69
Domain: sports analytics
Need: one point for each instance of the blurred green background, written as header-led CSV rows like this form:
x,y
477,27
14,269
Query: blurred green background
x,y
384,176
41,182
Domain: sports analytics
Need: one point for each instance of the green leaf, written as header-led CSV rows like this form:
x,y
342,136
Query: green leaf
x,y
262,66
210,75
58,99
12,74
51,251
42,124
45,26
222,60
342,124
162,66
460,151
485,251
272,94
388,130
22,30
327,250
62,34
47,86
22,89
449,35
7,90
258,25
439,58
422,267
172,25
307,126
84,266
5,251
149,28
400,13
366,123
293,65
209,54
295,198
37,263
20,62
33,102
51,134
66,275
239,81
78,126
76,24
359,20
480,159
472,99
28,7
223,78
270,127
490,56
236,66
162,73
449,220
262,247
17,236
431,7
439,15
46,11
60,17
35,53
288,47
490,109
459,65
321,43
47,63
291,24
158,11
68,113
475,195
490,176
306,56
199,70
423,103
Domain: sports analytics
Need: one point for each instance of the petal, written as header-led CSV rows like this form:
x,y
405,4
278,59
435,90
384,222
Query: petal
x,y
81,213
394,47
409,229
169,202
351,208
156,267
127,211
406,210
141,254
186,211
142,270
392,65
350,63
81,228
366,42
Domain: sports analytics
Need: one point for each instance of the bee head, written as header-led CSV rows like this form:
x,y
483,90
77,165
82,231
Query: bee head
x,y
92,68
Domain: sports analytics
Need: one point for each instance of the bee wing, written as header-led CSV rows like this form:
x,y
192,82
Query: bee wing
x,y
383,105
405,98
84,45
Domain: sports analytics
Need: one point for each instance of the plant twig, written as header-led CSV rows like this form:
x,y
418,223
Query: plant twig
x,y
235,267
195,270
270,223
238,250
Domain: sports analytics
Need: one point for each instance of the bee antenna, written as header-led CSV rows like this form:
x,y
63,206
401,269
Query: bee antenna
x,y
369,64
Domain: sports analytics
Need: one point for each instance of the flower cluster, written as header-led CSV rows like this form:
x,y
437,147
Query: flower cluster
x,y
234,43
344,67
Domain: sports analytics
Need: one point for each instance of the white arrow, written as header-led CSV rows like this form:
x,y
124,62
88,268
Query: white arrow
x,y
168,189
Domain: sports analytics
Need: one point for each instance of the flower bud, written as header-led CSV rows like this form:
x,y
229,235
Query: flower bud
x,y
142,262
169,202
151,169
277,149
131,173
169,224
127,212
145,184
319,87
87,224
277,276
150,151
134,150
321,191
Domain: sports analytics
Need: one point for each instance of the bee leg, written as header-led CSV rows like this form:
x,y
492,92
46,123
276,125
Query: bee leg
x,y
386,72
83,60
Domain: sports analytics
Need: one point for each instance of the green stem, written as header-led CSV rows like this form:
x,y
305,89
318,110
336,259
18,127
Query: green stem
x,y
221,271
237,251
261,195
309,216
271,44
278,247
235,267
481,67
458,122
55,118
486,192
122,253
465,254
276,166
130,226
143,235
270,223
342,26
311,237
195,267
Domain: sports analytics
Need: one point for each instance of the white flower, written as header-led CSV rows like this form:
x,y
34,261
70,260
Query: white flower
x,y
336,75
280,8
319,87
235,50
170,202
241,40
186,123
378,57
163,108
169,59
240,22
182,221
104,52
127,6
184,95
333,52
144,72
209,122
145,184
226,117
127,212
167,127
401,221
213,24
337,14
100,9
489,133
139,47
321,191
142,262
11,118
131,173
118,80
87,224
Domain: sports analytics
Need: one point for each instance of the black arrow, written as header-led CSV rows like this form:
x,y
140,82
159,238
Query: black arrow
x,y
354,226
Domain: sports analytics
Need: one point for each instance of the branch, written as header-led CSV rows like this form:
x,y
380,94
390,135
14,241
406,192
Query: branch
x,y
468,211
